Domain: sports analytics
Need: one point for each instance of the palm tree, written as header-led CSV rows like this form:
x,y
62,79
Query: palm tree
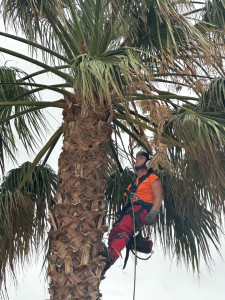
x,y
110,57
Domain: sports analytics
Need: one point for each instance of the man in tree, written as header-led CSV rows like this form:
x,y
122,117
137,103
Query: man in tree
x,y
145,193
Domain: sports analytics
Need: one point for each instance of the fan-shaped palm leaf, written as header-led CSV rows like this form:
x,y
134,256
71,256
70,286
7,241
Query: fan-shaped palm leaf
x,y
23,214
214,98
29,126
185,225
203,135
213,18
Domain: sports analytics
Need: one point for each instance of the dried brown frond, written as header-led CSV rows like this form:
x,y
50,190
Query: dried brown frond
x,y
160,158
200,86
159,115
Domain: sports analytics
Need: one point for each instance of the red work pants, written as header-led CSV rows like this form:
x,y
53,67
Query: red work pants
x,y
121,231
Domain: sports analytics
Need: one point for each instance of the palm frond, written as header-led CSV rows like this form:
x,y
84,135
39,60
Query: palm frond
x,y
214,98
8,147
38,63
34,12
213,19
51,143
23,214
29,127
96,79
35,45
63,26
187,228
203,134
160,28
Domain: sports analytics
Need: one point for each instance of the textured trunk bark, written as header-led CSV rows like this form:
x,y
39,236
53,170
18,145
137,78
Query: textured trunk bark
x,y
77,219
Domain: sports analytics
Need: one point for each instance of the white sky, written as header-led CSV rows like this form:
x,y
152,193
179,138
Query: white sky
x,y
157,279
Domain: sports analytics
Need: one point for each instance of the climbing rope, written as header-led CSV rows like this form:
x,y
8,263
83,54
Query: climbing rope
x,y
135,249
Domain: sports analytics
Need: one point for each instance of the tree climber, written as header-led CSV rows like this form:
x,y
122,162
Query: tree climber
x,y
146,195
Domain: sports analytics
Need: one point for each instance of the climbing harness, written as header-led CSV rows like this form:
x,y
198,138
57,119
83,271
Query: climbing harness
x,y
133,199
137,242
135,184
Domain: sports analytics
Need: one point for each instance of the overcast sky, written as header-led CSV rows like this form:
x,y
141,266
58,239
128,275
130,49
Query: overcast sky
x,y
158,278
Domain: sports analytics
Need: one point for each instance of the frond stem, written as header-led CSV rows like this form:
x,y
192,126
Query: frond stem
x,y
161,97
65,76
23,113
177,74
193,11
42,72
41,87
134,136
63,58
40,155
116,157
126,118
34,103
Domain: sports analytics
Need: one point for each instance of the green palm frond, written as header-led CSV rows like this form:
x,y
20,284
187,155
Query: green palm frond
x,y
65,26
23,214
36,62
7,147
111,73
159,28
48,147
214,17
30,127
186,226
214,98
37,46
32,12
190,237
203,135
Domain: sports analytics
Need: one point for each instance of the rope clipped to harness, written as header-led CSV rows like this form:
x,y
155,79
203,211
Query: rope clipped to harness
x,y
143,245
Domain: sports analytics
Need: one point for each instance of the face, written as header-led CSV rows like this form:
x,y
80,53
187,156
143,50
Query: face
x,y
140,160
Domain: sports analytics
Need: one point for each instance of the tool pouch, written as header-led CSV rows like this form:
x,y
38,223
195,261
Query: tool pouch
x,y
143,245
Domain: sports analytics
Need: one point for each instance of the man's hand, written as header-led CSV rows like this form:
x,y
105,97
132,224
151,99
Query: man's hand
x,y
151,217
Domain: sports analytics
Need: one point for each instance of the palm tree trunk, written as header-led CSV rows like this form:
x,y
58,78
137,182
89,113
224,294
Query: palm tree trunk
x,y
77,219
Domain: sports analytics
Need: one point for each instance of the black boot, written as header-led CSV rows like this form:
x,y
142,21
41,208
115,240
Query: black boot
x,y
109,259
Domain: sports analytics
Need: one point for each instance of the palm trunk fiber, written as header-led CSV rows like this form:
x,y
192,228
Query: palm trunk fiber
x,y
77,218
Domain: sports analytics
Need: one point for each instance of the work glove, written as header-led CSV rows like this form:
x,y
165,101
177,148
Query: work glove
x,y
151,217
